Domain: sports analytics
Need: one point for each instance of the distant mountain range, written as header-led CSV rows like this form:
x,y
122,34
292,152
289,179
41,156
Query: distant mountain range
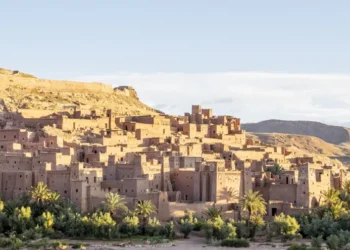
x,y
328,133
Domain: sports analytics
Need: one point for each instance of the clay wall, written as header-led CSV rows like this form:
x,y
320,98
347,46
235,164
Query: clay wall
x,y
59,181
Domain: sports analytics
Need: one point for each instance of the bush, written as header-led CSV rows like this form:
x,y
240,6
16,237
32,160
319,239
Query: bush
x,y
16,243
218,229
241,229
186,228
285,225
57,235
297,247
316,242
153,227
168,230
130,226
78,246
314,227
5,242
30,234
235,243
333,242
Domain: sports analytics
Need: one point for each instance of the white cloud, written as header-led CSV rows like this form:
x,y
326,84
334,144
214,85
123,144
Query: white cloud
x,y
253,96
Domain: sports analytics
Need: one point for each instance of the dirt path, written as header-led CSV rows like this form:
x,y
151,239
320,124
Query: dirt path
x,y
190,244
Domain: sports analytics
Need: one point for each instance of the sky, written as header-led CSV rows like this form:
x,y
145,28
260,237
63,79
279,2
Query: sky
x,y
252,59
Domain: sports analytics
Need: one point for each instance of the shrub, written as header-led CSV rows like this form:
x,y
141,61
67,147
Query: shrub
x,y
298,247
235,243
5,242
153,227
168,230
58,244
241,229
286,225
218,229
325,226
333,242
316,242
186,228
30,234
78,246
56,235
130,225
16,243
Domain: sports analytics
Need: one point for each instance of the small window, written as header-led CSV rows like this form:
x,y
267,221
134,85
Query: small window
x,y
126,190
132,190
4,136
20,176
157,186
65,191
76,190
15,136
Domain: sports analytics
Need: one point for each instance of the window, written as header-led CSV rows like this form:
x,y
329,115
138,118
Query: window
x,y
157,186
15,136
20,176
132,190
4,136
65,191
76,190
95,179
126,190
274,211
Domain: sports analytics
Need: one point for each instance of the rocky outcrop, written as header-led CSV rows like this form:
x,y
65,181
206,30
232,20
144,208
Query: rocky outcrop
x,y
18,91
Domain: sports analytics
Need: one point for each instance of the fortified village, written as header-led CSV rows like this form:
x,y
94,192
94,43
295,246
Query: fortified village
x,y
194,161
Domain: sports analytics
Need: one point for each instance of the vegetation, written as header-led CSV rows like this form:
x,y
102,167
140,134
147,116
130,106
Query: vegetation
x,y
41,214
275,170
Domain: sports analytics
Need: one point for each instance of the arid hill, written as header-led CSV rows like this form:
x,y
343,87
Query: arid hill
x,y
328,133
24,91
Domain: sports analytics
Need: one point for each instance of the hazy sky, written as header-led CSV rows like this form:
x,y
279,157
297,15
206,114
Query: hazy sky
x,y
252,59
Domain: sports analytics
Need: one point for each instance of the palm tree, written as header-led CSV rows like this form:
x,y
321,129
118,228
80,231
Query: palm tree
x,y
145,209
114,202
337,209
212,213
275,170
330,197
40,193
254,204
230,194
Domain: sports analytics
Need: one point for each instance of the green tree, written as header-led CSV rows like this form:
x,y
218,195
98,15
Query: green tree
x,y
286,225
253,203
330,197
212,213
40,194
113,203
275,170
144,209
48,220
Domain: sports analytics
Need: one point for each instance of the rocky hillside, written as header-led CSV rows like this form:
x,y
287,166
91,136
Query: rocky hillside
x,y
302,143
328,133
23,91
